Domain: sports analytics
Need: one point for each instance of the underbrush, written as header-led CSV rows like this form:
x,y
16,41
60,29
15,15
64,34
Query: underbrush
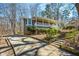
x,y
70,49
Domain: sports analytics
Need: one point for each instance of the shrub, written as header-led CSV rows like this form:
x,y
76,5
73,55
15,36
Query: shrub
x,y
70,37
51,34
31,28
42,30
68,27
71,34
18,32
70,49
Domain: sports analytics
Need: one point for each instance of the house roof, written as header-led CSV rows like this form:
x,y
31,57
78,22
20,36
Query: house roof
x,y
40,19
45,20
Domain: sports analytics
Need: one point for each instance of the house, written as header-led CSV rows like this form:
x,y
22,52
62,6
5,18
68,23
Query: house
x,y
39,22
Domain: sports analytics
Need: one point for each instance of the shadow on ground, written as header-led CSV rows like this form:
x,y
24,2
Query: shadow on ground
x,y
30,52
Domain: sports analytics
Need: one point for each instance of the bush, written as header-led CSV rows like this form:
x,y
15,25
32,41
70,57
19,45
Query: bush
x,y
71,34
18,32
31,28
70,49
52,34
42,30
69,27
70,37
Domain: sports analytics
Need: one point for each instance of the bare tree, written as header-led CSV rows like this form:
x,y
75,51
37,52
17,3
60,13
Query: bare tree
x,y
9,11
22,11
13,16
34,10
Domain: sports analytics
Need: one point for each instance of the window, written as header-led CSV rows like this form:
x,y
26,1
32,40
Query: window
x,y
29,21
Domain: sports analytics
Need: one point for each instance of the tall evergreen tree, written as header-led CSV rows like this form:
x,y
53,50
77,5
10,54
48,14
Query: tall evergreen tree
x,y
47,12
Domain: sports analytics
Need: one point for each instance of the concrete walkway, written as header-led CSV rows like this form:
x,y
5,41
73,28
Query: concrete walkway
x,y
27,46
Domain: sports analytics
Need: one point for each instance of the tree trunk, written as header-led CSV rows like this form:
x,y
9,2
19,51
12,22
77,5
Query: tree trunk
x,y
13,17
77,7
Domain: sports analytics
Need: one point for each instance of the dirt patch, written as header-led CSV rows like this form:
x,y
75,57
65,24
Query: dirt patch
x,y
2,41
41,37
